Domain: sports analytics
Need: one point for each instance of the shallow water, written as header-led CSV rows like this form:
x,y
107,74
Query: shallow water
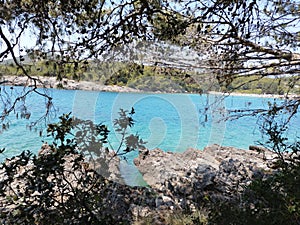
x,y
172,122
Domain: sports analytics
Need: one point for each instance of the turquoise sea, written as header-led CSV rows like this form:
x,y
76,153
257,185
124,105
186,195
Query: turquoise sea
x,y
172,122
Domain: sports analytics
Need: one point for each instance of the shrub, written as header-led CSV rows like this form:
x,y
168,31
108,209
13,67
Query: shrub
x,y
272,199
58,186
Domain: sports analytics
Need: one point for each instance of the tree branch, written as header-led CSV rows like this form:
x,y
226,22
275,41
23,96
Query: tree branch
x,y
289,56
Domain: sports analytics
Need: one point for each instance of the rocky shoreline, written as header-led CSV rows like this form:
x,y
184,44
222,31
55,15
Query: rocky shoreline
x,y
52,82
217,171
286,96
151,163
177,181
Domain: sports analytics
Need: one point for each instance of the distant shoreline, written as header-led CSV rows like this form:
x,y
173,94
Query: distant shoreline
x,y
66,84
254,95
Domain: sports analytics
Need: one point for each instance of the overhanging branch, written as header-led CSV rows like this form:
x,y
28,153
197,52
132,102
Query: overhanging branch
x,y
289,56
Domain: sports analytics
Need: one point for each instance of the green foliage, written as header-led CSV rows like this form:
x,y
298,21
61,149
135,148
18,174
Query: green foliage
x,y
124,75
169,25
272,199
129,142
258,85
60,130
58,187
155,79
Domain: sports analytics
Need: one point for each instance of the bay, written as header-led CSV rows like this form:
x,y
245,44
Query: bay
x,y
172,122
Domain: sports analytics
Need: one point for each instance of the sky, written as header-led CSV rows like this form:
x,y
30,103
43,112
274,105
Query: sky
x,y
27,41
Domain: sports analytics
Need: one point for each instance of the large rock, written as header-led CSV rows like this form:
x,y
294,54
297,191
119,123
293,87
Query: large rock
x,y
158,166
219,172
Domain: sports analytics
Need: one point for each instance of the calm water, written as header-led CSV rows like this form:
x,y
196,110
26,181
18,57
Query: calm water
x,y
172,122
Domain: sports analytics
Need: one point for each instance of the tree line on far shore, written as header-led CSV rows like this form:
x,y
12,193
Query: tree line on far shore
x,y
154,78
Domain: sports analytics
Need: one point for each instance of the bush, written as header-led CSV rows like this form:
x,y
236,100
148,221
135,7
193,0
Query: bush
x,y
272,199
58,186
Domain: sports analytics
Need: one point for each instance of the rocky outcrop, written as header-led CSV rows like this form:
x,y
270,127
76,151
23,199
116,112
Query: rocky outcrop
x,y
158,166
177,181
218,172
